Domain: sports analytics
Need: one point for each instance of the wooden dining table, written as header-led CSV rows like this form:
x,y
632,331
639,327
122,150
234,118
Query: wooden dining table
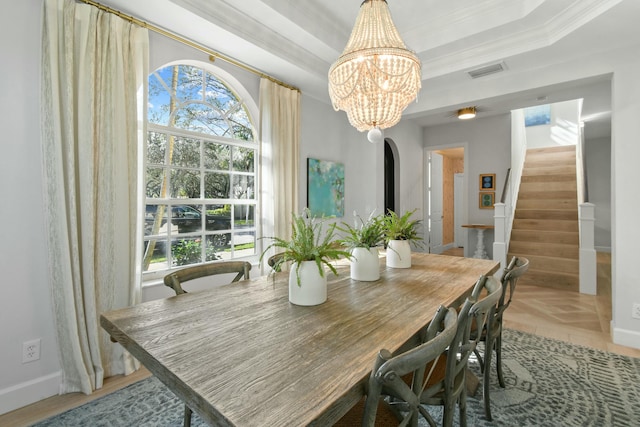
x,y
243,355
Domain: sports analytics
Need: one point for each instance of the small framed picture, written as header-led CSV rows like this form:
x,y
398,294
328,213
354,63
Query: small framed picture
x,y
487,181
487,200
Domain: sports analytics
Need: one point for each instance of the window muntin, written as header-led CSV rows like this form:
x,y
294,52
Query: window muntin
x,y
200,176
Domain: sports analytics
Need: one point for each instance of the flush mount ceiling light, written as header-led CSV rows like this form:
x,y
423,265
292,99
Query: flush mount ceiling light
x,y
376,76
467,113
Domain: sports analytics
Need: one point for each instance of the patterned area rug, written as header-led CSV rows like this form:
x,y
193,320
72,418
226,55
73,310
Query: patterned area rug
x,y
549,383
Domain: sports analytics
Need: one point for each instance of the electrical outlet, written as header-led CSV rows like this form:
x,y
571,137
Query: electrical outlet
x,y
31,351
635,311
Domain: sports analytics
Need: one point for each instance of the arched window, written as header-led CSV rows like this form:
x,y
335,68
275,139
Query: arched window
x,y
200,171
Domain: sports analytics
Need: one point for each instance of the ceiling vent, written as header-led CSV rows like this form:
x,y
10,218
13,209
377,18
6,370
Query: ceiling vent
x,y
489,69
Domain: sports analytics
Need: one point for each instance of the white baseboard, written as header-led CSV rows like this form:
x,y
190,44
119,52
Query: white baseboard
x,y
625,337
26,393
606,249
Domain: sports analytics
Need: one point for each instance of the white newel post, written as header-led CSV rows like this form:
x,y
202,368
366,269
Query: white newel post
x,y
499,239
588,258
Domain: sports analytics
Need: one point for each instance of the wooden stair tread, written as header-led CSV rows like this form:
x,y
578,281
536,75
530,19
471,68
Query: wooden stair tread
x,y
553,236
545,225
564,214
565,195
547,263
555,177
552,279
548,186
546,204
560,250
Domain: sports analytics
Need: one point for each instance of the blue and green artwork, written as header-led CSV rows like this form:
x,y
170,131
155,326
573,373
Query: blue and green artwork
x,y
539,115
325,188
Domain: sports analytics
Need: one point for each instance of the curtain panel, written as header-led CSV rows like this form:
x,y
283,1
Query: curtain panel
x,y
280,139
93,90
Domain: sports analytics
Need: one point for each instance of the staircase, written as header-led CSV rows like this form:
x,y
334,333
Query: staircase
x,y
545,223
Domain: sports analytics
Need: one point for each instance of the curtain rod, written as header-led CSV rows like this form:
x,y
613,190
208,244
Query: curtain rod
x,y
212,53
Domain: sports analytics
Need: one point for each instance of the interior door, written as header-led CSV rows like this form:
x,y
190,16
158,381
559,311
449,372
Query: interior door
x,y
435,203
458,209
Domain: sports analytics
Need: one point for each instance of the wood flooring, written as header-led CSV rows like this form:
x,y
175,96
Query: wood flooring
x,y
554,313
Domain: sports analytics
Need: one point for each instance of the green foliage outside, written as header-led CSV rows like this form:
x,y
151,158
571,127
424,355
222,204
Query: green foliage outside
x,y
187,252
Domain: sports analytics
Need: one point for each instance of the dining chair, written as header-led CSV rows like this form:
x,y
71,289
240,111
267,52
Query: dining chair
x,y
491,334
388,371
446,383
275,262
175,280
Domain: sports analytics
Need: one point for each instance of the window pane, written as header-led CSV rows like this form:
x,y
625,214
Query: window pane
x,y
243,187
218,94
186,251
242,128
216,185
244,216
185,184
186,152
243,159
155,255
186,219
216,156
218,217
201,118
153,181
155,220
189,83
156,146
244,243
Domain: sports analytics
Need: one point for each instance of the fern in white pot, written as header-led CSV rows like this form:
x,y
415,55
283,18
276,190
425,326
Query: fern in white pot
x,y
311,251
362,241
399,233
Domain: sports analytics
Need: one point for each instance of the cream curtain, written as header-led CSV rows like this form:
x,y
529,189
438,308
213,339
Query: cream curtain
x,y
280,136
94,69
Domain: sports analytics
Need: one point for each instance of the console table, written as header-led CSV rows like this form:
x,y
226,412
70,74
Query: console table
x,y
480,250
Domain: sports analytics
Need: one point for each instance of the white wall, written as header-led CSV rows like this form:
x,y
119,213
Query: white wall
x,y
625,202
598,158
488,143
326,134
562,130
25,306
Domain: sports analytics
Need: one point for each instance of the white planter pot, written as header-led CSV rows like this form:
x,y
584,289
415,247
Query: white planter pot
x,y
313,287
399,254
365,265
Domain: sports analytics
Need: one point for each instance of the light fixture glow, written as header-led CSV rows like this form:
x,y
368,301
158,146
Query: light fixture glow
x,y
467,113
376,76
375,135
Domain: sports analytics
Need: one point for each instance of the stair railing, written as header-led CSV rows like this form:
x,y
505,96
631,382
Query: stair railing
x,y
503,211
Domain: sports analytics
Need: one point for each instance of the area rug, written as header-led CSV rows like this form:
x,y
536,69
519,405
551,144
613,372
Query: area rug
x,y
549,383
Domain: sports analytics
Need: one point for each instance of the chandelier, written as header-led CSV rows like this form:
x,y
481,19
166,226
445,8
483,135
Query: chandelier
x,y
376,76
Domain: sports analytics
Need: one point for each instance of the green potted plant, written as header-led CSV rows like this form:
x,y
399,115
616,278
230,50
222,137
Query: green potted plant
x,y
399,233
310,250
362,241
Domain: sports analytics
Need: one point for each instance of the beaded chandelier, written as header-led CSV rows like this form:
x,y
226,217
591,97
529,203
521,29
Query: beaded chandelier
x,y
376,76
